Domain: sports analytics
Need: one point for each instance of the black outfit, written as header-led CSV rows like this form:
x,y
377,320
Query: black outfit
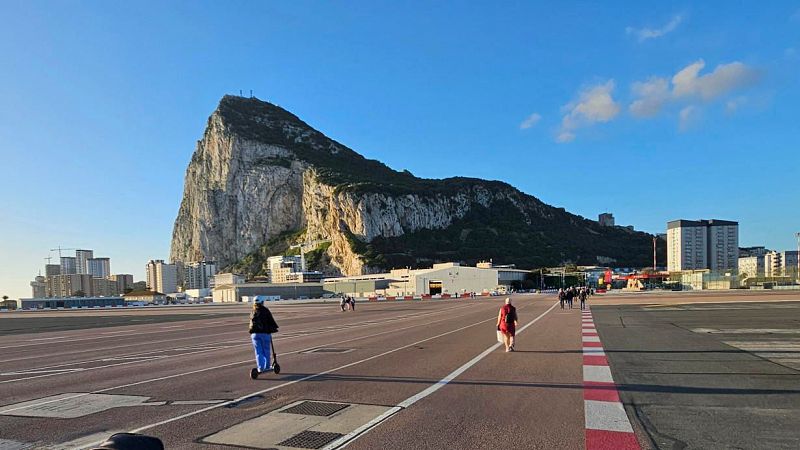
x,y
261,321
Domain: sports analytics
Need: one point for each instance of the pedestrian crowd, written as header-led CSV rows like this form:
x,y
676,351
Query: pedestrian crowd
x,y
568,295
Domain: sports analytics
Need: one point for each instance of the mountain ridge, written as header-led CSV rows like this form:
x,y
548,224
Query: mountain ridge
x,y
261,172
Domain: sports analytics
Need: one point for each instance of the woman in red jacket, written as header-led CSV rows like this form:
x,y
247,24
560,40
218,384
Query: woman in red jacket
x,y
507,324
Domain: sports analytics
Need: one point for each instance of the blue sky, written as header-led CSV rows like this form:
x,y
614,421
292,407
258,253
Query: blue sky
x,y
651,110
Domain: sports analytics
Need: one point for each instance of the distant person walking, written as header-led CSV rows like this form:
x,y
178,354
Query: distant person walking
x,y
262,325
561,297
507,324
570,293
582,295
352,303
343,302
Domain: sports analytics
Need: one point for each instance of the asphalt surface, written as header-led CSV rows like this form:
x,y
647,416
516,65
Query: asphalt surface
x,y
434,363
708,375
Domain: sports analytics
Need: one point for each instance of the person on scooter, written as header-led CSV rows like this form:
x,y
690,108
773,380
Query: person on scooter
x,y
262,325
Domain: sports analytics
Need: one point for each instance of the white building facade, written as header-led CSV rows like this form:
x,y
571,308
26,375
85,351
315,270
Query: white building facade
x,y
82,258
702,244
162,277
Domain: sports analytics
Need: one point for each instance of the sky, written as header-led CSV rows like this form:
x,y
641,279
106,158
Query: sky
x,y
652,111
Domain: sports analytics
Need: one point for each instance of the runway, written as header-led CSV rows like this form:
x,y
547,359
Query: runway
x,y
403,374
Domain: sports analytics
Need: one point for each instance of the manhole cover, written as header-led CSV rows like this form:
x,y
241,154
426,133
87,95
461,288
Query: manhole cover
x,y
311,439
315,409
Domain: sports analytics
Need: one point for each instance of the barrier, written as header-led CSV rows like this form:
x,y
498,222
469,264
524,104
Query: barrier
x,y
426,296
391,298
408,297
444,296
372,299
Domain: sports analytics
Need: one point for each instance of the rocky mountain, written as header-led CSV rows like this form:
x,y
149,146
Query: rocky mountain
x,y
261,180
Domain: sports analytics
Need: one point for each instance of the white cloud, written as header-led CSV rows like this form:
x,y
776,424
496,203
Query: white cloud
x,y
653,94
530,121
688,117
724,79
643,34
594,104
565,136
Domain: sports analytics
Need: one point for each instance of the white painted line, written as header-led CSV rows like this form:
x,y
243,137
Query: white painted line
x,y
349,437
606,416
601,374
306,378
595,351
591,338
48,339
434,387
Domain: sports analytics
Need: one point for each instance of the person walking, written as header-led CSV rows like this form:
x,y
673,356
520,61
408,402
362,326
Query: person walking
x,y
343,302
561,297
569,295
583,294
507,324
262,325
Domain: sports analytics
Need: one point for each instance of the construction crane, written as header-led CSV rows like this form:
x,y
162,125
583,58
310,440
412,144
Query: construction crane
x,y
59,249
306,247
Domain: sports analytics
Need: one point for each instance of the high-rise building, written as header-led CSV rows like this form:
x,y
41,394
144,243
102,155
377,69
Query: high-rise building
x,y
39,287
124,282
52,269
606,219
81,260
198,275
98,267
68,265
70,285
702,244
162,277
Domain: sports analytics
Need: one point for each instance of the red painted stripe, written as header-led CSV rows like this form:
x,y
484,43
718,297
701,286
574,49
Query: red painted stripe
x,y
602,392
584,326
593,344
610,440
595,360
589,333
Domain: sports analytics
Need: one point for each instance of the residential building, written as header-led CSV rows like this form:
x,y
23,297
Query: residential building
x,y
752,266
39,287
221,279
81,260
162,277
70,285
702,244
68,265
778,264
52,269
278,267
199,275
98,267
745,252
606,219
124,282
104,287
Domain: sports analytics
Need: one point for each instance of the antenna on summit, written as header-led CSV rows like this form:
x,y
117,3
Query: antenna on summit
x,y
240,93
251,93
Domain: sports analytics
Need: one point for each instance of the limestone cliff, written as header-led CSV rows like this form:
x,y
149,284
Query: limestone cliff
x,y
260,173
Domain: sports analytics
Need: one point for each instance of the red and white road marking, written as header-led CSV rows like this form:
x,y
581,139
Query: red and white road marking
x,y
607,424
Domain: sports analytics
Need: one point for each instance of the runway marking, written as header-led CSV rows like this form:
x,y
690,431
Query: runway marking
x,y
607,424
785,352
349,438
308,377
250,361
299,333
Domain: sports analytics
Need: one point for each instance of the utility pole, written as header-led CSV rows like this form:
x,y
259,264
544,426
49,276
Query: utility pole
x,y
797,274
654,253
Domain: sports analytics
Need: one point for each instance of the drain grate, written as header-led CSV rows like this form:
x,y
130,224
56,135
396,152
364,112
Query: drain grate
x,y
315,409
310,439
